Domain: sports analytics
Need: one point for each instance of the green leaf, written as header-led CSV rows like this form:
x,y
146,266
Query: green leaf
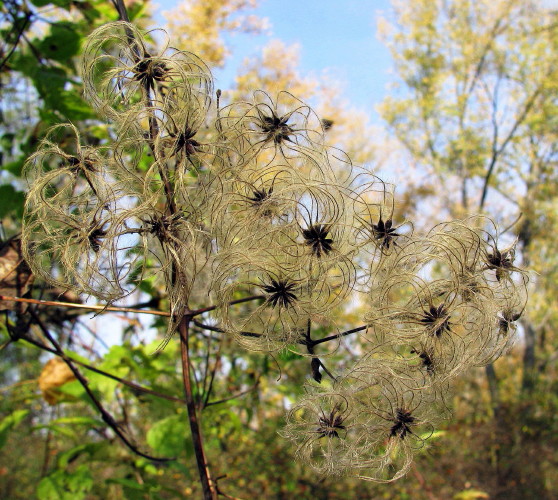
x,y
56,429
49,82
432,435
136,10
64,485
62,43
14,167
11,201
60,3
50,489
73,107
167,436
9,422
6,141
78,421
72,454
75,392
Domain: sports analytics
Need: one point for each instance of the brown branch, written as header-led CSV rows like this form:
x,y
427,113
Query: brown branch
x,y
99,308
209,492
28,16
339,335
83,306
530,102
121,9
211,328
197,312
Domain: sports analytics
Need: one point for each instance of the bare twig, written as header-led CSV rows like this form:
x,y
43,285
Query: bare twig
x,y
220,330
84,306
234,396
24,25
106,416
339,335
197,312
209,492
132,385
100,308
207,391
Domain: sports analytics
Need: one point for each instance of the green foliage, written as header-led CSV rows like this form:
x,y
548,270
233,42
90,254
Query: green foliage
x,y
59,3
10,422
12,201
62,43
65,485
166,436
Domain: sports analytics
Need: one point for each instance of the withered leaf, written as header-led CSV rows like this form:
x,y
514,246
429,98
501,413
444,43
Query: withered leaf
x,y
15,275
55,374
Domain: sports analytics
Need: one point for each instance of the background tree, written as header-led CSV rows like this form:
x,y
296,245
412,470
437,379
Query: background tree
x,y
198,26
476,115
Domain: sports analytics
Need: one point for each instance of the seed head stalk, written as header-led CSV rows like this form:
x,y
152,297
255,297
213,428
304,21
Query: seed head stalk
x,y
208,488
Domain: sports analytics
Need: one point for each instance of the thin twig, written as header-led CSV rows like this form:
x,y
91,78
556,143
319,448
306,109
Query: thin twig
x,y
328,373
339,335
497,152
99,308
84,306
517,219
206,368
209,492
207,392
106,416
18,38
132,385
234,396
197,312
220,330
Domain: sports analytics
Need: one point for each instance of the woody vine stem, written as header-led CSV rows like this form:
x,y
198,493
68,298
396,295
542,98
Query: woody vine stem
x,y
208,487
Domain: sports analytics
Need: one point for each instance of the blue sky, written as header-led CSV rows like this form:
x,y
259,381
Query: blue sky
x,y
335,36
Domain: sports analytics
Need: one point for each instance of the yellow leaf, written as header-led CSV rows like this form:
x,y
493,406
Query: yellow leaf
x,y
55,374
471,495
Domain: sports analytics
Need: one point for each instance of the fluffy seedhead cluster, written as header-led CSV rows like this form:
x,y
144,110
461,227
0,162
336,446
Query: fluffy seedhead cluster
x,y
246,201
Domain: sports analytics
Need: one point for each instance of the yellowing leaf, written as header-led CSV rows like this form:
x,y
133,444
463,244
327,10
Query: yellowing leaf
x,y
471,495
55,374
15,275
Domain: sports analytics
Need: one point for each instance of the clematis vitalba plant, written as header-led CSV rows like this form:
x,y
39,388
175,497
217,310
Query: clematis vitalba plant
x,y
261,232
